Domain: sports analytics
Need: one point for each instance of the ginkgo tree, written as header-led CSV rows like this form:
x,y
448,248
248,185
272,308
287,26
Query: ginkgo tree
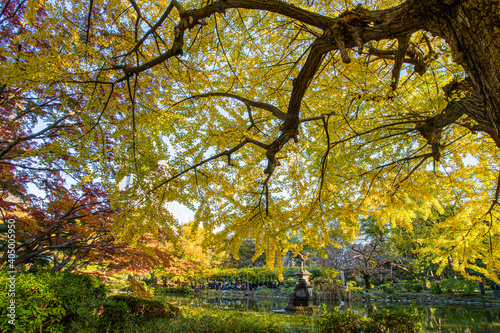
x,y
275,116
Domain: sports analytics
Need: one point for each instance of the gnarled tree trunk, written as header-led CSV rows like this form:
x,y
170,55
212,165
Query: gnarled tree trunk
x,y
472,29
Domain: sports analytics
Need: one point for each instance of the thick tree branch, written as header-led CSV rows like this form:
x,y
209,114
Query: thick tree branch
x,y
403,43
289,129
360,25
260,105
462,101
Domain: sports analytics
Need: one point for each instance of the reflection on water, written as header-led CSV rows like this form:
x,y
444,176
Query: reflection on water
x,y
445,319
242,304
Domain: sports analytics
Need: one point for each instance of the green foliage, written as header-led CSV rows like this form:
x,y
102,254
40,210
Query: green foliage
x,y
114,316
450,286
409,286
120,311
397,286
388,289
289,282
434,288
216,322
341,322
417,287
285,290
146,309
400,321
328,272
174,290
47,299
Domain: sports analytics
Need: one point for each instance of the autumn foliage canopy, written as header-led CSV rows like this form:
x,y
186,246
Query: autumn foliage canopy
x,y
262,116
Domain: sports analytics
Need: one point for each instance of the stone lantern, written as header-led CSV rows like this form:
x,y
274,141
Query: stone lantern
x,y
303,297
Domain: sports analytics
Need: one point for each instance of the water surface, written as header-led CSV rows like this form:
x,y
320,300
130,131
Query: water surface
x,y
438,318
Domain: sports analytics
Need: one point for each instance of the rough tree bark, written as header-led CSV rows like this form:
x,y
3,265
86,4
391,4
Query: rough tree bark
x,y
472,29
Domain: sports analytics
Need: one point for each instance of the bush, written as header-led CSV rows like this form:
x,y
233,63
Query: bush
x,y
409,286
341,322
120,311
406,286
285,290
49,300
450,286
416,287
174,290
434,288
290,282
388,289
146,309
113,316
401,321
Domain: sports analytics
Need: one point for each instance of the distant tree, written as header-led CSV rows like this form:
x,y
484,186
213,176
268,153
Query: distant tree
x,y
370,255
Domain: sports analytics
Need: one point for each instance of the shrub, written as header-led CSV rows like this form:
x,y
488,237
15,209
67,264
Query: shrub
x,y
290,282
458,286
409,286
434,288
120,311
341,322
400,321
146,309
406,286
469,286
285,290
48,300
388,289
416,287
113,316
174,290
450,286
266,292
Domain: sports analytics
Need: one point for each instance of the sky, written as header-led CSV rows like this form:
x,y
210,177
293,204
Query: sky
x,y
183,214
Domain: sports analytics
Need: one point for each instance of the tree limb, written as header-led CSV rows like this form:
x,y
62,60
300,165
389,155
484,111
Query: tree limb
x,y
260,105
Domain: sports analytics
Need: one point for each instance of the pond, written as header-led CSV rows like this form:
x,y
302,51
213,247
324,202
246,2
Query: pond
x,y
445,318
